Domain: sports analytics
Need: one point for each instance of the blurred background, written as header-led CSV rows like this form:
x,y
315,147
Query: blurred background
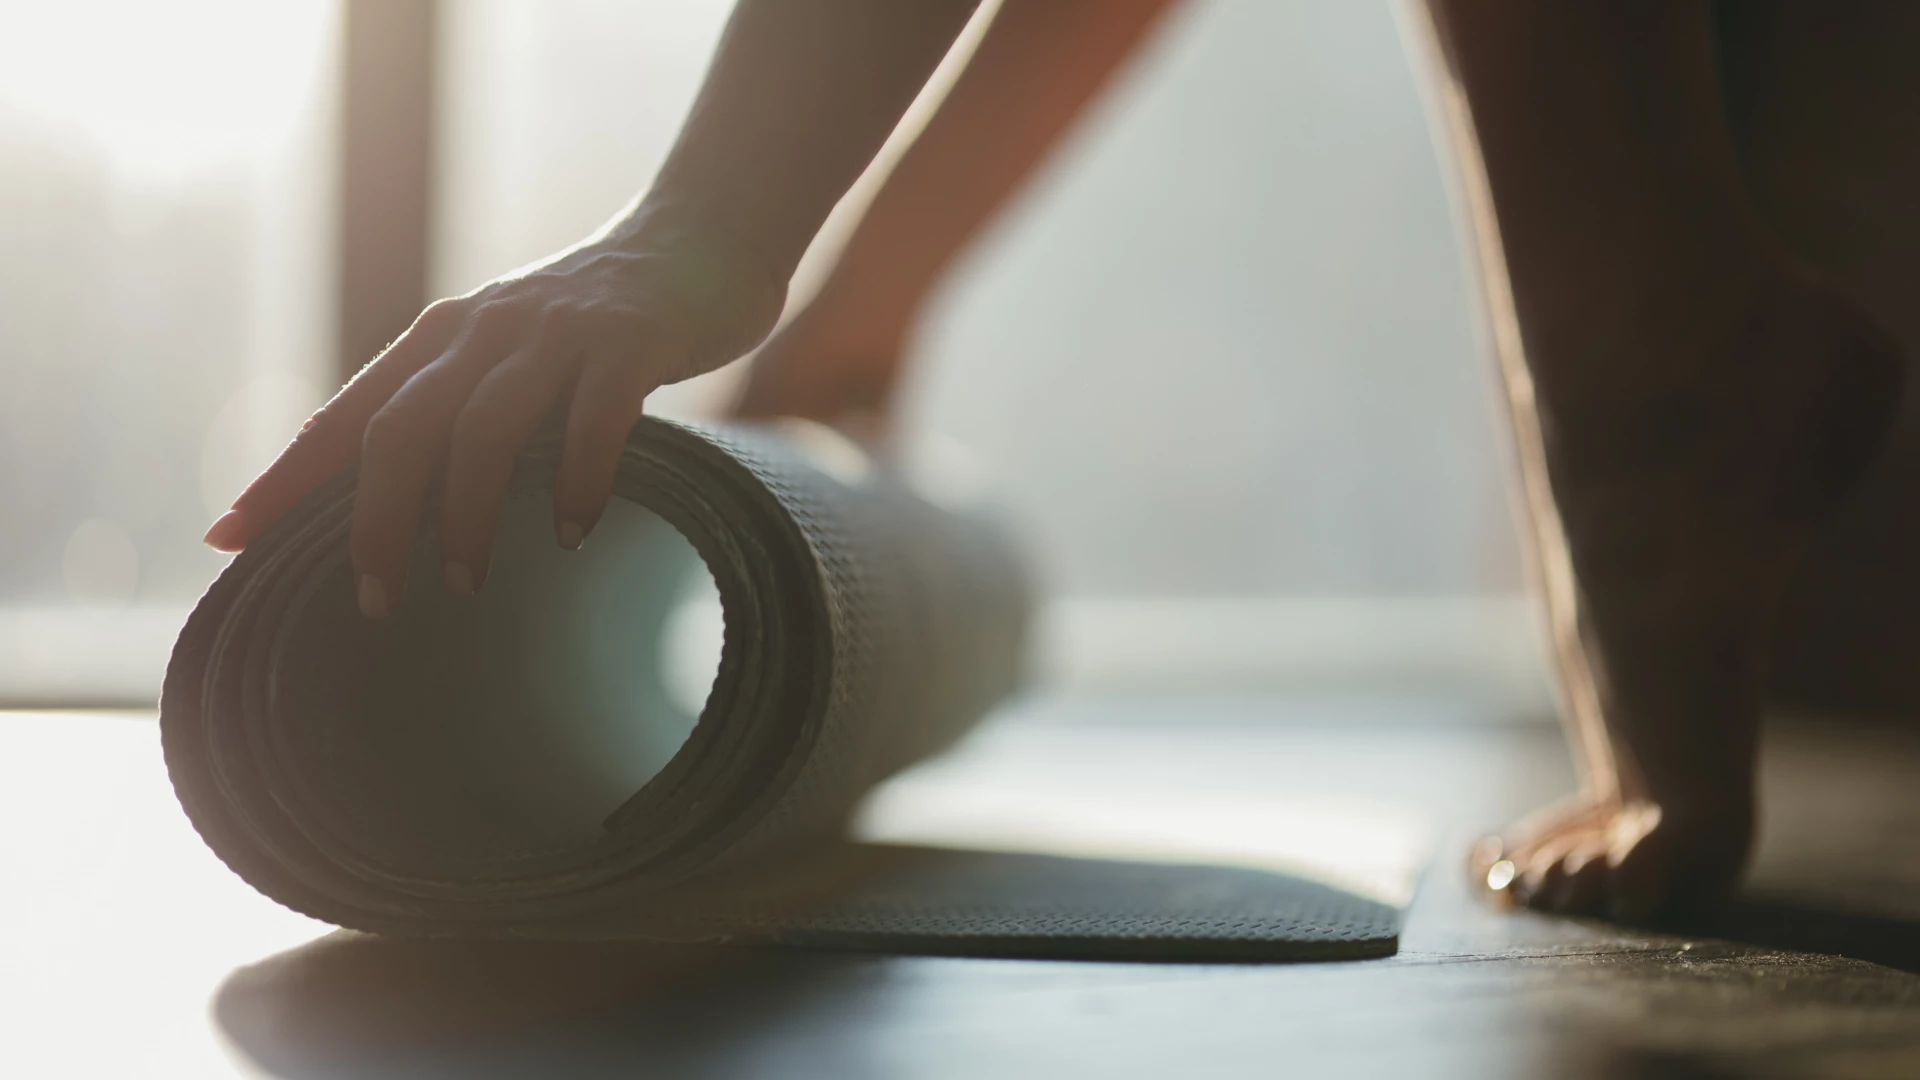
x,y
1221,362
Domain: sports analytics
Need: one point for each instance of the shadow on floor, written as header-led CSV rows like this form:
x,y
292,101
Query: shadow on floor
x,y
1797,926
367,1008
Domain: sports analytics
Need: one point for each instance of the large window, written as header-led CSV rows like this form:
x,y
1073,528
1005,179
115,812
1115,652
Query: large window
x,y
1220,361
164,316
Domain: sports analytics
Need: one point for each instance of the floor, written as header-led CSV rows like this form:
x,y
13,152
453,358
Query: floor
x,y
125,950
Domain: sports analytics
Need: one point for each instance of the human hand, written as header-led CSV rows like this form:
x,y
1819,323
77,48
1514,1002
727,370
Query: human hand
x,y
598,327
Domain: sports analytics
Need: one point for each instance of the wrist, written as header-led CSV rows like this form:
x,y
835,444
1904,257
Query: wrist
x,y
662,222
721,275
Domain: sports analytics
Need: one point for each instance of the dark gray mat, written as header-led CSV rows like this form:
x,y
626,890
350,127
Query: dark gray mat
x,y
512,765
940,902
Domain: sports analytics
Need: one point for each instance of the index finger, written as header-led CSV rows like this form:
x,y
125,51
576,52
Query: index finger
x,y
330,440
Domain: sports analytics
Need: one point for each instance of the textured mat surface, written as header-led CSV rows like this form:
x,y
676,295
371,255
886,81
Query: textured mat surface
x,y
943,902
515,764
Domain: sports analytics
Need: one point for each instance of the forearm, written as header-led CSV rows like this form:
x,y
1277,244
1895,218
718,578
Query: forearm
x,y
1033,74
798,99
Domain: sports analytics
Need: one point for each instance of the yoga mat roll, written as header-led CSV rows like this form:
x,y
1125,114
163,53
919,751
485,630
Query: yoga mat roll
x,y
517,763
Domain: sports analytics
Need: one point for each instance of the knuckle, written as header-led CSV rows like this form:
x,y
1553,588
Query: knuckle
x,y
320,424
565,315
391,433
442,312
574,321
495,316
442,315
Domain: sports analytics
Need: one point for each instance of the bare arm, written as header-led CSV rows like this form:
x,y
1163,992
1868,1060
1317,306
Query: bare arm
x,y
1034,73
799,99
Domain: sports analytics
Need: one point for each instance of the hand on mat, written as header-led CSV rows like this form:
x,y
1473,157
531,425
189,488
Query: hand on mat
x,y
595,329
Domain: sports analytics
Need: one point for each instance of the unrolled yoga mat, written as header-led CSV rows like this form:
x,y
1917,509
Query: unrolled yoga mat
x,y
523,763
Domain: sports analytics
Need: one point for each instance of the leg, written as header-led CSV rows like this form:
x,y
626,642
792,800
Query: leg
x,y
1824,101
1033,74
1688,400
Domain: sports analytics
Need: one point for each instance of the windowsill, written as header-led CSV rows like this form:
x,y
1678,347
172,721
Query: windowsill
x,y
1490,650
79,656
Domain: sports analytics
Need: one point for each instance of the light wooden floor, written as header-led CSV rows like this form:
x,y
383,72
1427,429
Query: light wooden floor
x,y
219,982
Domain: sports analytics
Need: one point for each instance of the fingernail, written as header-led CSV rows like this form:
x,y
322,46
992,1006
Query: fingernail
x,y
373,597
570,535
224,534
459,579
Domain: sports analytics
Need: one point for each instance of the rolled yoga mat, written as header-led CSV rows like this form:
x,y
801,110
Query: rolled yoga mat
x,y
515,763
